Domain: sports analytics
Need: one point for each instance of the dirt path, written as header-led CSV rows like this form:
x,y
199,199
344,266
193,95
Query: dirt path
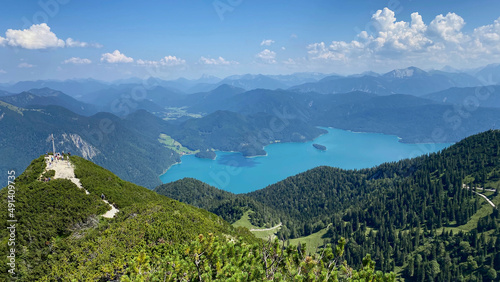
x,y
66,170
111,213
486,198
266,229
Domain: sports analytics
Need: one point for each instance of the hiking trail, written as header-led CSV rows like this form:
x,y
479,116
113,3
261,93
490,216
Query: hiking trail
x,y
65,170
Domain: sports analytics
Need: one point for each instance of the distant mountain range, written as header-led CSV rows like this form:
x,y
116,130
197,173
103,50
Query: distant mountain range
x,y
489,75
412,118
72,87
469,97
412,80
249,81
47,96
232,118
130,145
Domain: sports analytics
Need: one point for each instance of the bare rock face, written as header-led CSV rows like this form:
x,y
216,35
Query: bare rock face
x,y
83,147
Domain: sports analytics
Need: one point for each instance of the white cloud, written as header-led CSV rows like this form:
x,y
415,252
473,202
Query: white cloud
x,y
393,35
393,42
448,27
25,65
115,57
77,61
486,39
488,33
166,61
267,42
267,56
38,36
218,61
172,61
2,71
75,43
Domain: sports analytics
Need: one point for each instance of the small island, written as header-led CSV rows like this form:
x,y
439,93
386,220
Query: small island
x,y
319,147
206,155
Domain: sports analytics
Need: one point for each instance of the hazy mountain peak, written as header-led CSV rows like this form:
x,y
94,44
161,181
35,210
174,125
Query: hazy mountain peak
x,y
451,69
45,91
404,73
366,73
224,87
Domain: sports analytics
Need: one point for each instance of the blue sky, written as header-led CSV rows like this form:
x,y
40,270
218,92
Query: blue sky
x,y
115,39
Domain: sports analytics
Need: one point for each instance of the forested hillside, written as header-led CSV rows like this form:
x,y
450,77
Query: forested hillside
x,y
118,144
47,96
54,231
416,216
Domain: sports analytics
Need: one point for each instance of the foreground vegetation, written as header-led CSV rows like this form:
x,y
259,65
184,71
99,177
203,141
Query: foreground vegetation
x,y
60,236
412,216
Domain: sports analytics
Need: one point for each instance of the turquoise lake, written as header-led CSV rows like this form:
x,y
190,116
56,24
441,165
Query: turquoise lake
x,y
345,149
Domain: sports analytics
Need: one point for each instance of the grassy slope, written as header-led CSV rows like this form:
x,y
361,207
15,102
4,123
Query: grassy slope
x,y
313,241
244,221
485,210
61,236
173,145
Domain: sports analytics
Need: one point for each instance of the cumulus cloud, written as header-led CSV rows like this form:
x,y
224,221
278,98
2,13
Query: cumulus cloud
x,y
77,61
267,56
267,42
488,33
25,65
115,57
448,27
38,36
218,61
166,61
486,39
413,42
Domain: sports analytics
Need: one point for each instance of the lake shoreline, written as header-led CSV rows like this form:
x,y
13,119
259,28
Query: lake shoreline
x,y
236,173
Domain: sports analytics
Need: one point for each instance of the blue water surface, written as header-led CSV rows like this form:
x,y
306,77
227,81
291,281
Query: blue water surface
x,y
345,149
